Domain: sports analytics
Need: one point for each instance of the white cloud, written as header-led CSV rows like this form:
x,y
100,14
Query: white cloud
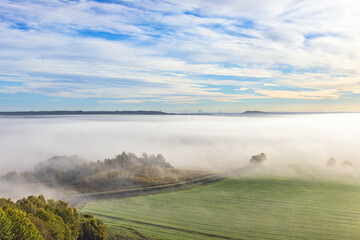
x,y
242,89
260,44
321,94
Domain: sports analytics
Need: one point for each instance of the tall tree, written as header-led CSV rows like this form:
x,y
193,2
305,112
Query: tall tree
x,y
21,226
5,226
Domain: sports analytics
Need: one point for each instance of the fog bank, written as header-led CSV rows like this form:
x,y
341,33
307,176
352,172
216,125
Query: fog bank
x,y
193,142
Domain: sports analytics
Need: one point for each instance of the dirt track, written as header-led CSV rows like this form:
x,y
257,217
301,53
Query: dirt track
x,y
121,193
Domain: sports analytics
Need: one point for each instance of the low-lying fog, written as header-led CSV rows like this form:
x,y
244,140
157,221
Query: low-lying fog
x,y
295,145
192,142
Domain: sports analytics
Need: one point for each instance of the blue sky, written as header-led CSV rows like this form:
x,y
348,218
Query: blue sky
x,y
180,55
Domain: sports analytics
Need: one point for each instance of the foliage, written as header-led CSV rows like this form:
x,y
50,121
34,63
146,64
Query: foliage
x,y
92,229
69,171
16,177
50,171
123,170
21,226
35,218
5,226
258,159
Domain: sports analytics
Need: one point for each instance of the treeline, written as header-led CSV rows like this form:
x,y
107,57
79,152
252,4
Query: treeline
x,y
57,170
35,218
65,170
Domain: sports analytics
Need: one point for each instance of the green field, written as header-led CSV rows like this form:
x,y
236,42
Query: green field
x,y
238,209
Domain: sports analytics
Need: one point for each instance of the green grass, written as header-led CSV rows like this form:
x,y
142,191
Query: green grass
x,y
238,209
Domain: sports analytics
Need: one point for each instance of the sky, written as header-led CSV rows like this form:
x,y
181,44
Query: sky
x,y
180,55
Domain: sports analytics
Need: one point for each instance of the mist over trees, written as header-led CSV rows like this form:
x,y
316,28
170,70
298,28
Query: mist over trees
x,y
50,171
258,159
76,173
65,170
331,162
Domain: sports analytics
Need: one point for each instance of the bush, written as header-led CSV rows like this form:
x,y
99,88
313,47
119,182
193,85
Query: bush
x,y
92,229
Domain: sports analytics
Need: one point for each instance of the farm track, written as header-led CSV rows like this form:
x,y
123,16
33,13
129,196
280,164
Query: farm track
x,y
132,192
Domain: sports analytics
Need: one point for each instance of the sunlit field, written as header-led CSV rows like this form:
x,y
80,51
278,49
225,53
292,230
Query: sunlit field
x,y
242,208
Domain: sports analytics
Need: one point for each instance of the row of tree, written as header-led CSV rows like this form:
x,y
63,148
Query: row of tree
x,y
35,218
65,170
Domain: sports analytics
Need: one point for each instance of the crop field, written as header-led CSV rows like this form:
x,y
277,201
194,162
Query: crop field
x,y
238,209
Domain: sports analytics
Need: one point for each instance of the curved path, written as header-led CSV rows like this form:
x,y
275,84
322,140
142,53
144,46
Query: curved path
x,y
121,193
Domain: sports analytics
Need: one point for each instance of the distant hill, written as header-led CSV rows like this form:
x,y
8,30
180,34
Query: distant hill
x,y
256,112
31,113
288,113
141,112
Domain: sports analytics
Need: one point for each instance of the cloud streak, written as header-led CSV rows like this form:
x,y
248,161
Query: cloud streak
x,y
195,51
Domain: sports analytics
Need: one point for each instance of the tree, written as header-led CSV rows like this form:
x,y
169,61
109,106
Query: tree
x,y
92,229
35,218
54,223
5,226
331,162
21,226
258,159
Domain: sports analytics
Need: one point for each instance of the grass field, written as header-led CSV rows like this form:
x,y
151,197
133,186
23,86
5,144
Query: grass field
x,y
238,209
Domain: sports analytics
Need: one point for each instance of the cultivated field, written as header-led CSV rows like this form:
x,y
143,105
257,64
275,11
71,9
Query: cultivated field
x,y
238,209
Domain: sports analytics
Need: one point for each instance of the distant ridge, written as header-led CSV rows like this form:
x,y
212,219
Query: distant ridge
x,y
142,112
31,113
290,113
255,112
